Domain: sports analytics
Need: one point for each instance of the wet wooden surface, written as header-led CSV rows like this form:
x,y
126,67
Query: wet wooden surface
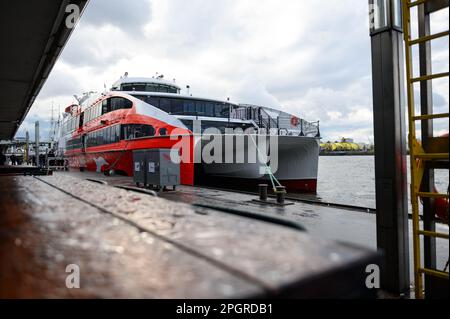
x,y
135,245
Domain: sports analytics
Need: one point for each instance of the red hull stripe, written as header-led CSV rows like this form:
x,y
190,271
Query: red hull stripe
x,y
300,186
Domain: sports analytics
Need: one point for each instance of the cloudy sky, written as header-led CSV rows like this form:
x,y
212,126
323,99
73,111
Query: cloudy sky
x,y
308,57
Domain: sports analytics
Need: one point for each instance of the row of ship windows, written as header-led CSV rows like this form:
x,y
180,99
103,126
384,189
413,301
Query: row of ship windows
x,y
114,134
106,106
143,87
168,105
91,113
71,124
188,106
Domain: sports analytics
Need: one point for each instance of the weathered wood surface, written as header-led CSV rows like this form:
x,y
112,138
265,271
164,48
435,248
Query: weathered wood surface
x,y
135,245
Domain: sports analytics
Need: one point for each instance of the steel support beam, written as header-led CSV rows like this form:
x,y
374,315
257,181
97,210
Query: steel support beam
x,y
435,5
390,159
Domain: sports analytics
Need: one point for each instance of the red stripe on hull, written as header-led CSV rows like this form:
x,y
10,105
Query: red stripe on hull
x,y
100,159
300,186
251,184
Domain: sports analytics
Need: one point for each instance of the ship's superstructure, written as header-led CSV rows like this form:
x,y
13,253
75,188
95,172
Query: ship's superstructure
x,y
101,131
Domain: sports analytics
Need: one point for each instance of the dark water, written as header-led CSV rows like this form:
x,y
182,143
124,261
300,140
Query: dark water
x,y
351,180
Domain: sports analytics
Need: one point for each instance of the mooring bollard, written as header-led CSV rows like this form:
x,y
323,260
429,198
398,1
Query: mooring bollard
x,y
281,193
262,191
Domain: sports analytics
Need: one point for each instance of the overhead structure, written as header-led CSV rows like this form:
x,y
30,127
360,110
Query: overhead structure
x,y
430,153
32,37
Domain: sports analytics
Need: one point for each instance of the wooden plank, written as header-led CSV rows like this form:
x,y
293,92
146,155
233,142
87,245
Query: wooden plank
x,y
42,230
273,256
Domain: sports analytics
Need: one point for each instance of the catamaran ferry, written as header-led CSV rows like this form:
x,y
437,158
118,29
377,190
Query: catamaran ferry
x,y
99,133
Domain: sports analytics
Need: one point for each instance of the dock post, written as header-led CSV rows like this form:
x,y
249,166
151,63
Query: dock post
x,y
281,194
262,191
27,148
36,140
390,143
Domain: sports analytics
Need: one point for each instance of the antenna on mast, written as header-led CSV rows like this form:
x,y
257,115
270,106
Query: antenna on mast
x,y
51,136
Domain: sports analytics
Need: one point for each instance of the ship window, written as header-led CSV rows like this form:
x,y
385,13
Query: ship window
x,y
106,133
220,110
97,138
112,134
188,106
131,131
141,97
133,87
151,88
90,139
177,106
118,103
101,137
104,136
106,106
223,125
98,109
163,131
209,109
74,143
188,124
153,101
164,104
200,108
117,132
162,88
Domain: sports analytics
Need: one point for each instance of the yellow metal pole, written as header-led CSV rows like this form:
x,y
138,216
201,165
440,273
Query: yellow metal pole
x,y
411,137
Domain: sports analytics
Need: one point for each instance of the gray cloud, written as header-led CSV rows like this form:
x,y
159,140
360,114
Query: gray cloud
x,y
308,58
129,16
439,100
60,83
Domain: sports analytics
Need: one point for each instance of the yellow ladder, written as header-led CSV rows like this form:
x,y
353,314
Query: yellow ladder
x,y
417,153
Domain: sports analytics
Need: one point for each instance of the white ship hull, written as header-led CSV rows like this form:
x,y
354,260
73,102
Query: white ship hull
x,y
297,166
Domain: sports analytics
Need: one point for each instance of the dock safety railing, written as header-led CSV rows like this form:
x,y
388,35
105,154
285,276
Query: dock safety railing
x,y
419,157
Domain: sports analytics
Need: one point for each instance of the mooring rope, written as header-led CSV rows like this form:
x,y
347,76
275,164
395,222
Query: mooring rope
x,y
272,177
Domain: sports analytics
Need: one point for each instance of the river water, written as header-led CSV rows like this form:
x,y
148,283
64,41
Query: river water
x,y
351,180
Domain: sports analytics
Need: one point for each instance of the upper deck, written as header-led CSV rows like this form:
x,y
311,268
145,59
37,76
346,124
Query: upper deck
x,y
142,84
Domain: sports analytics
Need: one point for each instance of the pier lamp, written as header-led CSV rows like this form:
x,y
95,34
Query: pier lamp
x,y
385,19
